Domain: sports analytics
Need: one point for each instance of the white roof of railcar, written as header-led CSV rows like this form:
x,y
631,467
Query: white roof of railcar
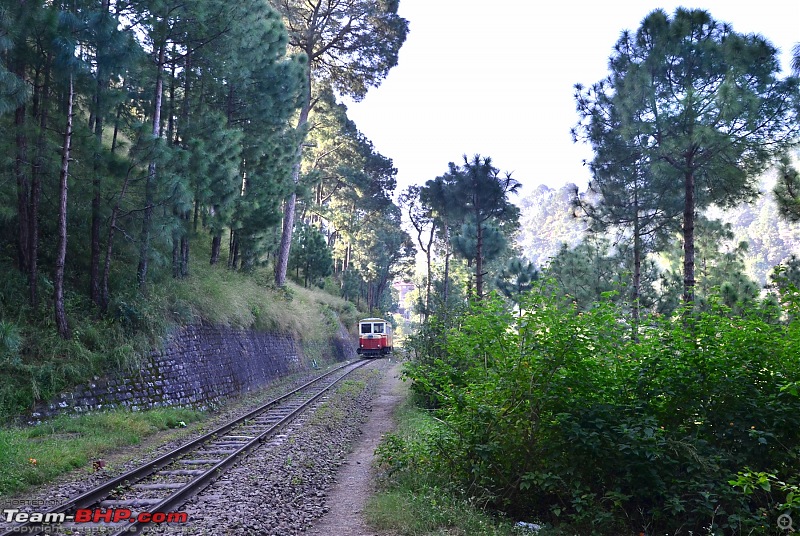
x,y
372,320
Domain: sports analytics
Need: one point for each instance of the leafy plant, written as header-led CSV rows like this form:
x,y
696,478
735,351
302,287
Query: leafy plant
x,y
561,414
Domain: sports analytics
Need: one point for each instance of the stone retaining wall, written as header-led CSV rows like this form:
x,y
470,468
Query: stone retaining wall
x,y
199,366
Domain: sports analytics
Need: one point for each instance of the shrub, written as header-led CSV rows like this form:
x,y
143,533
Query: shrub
x,y
563,415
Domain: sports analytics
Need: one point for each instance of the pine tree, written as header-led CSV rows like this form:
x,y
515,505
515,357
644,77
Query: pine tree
x,y
113,50
482,193
423,222
787,191
13,91
311,254
350,46
703,107
625,194
517,278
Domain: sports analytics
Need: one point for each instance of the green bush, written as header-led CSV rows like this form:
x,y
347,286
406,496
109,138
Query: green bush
x,y
565,416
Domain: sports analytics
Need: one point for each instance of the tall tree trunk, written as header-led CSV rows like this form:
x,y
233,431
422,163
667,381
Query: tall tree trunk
x,y
105,297
36,190
20,163
479,262
172,136
233,250
94,262
430,272
23,184
180,130
230,248
446,286
147,218
282,262
116,129
688,238
33,237
216,245
637,263
100,89
61,249
196,215
470,282
637,276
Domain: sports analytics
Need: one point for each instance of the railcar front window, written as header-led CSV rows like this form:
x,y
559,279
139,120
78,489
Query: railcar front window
x,y
366,328
378,328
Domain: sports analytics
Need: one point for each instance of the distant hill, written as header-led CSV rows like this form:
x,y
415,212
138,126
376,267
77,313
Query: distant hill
x,y
547,221
771,240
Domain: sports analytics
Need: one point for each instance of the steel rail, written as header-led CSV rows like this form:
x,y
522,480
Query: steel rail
x,y
94,495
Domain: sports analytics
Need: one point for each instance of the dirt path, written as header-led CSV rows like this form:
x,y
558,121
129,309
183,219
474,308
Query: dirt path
x,y
354,482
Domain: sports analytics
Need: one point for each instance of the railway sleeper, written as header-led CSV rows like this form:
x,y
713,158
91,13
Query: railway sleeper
x,y
165,485
182,472
116,503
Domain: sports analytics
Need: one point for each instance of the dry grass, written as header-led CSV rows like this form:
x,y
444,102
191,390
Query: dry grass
x,y
222,297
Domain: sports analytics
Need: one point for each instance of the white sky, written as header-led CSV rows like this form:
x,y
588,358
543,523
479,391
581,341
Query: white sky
x,y
496,78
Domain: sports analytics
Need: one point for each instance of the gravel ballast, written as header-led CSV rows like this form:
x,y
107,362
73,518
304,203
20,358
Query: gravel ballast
x,y
279,488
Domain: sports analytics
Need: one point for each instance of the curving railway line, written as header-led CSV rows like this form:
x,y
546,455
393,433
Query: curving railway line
x,y
153,491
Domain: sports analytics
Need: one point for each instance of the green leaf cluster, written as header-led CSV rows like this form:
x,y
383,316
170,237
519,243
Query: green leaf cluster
x,y
559,414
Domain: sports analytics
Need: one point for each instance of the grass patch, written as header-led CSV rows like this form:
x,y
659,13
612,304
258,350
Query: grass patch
x,y
34,455
250,300
413,499
426,510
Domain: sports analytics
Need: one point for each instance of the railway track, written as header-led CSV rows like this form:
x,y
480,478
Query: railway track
x,y
150,492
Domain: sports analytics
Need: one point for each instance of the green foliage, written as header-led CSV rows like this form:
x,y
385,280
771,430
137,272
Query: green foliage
x,y
351,45
38,364
310,253
517,278
787,191
786,276
478,195
183,135
414,499
721,271
687,102
587,272
347,189
560,415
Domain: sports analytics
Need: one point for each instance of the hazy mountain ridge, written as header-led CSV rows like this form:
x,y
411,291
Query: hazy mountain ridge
x,y
547,220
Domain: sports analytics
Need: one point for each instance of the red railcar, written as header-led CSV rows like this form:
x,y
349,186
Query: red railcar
x,y
374,337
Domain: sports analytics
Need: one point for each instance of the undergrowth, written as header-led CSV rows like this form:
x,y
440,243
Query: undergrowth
x,y
561,417
414,499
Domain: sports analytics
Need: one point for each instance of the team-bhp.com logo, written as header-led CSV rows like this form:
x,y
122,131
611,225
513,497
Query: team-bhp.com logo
x,y
94,515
